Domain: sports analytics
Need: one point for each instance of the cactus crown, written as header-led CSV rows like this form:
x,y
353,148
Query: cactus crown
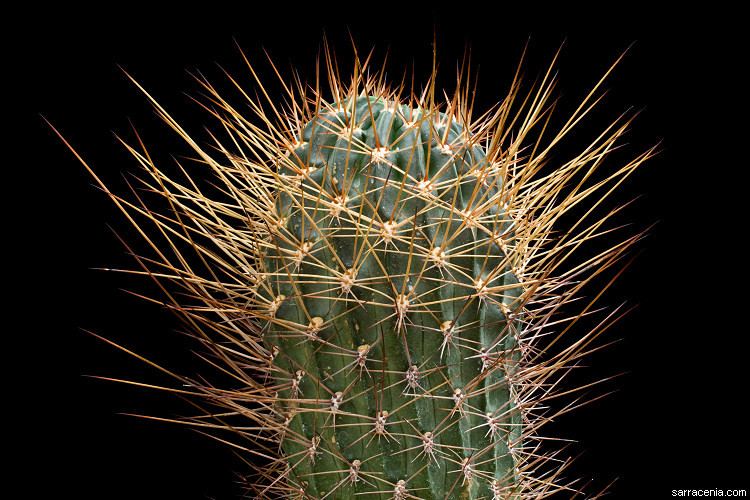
x,y
377,274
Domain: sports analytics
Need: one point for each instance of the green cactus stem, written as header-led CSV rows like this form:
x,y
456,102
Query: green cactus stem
x,y
394,306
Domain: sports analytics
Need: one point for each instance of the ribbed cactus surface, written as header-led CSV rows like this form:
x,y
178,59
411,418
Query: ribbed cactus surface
x,y
392,309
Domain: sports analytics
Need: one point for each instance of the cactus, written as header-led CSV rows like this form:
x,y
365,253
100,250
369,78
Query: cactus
x,y
378,272
393,303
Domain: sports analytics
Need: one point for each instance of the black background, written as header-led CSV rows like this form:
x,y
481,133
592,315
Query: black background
x,y
677,418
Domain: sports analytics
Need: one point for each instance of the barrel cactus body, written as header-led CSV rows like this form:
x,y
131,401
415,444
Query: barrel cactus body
x,y
393,308
383,279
